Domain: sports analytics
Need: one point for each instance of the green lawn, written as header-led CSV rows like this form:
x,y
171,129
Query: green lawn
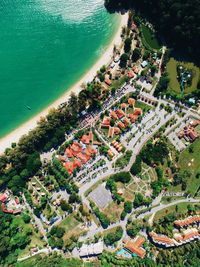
x,y
118,83
191,162
174,84
145,108
149,39
182,208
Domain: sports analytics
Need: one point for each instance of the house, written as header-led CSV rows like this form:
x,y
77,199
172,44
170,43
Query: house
x,y
104,126
77,163
131,102
113,115
131,74
108,82
83,157
137,111
110,153
126,122
144,64
61,158
121,125
92,150
111,132
69,166
132,117
76,148
135,247
68,153
85,139
123,105
16,199
3,198
106,120
96,143
117,130
120,113
135,69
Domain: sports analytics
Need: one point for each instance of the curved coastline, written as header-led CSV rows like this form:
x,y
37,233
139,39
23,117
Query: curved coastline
x,y
15,135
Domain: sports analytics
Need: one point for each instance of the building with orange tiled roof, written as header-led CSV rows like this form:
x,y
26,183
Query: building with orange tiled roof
x,y
120,113
110,153
3,197
104,126
77,163
123,105
121,125
135,69
187,221
131,74
117,130
133,117
97,143
111,132
126,121
92,150
85,139
162,239
76,148
108,82
137,111
83,157
69,166
61,158
131,102
87,153
120,149
113,115
68,152
106,120
135,246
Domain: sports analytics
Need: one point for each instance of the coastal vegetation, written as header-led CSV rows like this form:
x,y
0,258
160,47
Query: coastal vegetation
x,y
171,17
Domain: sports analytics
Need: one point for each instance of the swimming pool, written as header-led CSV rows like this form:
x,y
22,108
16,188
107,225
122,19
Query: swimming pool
x,y
123,253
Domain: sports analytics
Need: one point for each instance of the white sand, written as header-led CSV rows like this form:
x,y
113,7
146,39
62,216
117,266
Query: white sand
x,y
15,135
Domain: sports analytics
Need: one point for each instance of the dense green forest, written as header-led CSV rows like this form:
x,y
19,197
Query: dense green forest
x,y
176,20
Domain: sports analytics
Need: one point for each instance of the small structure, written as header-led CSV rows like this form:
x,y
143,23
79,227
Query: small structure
x,y
135,246
144,64
131,102
113,115
120,113
108,82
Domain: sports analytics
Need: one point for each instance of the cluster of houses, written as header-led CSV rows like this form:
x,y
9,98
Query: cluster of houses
x,y
179,238
79,153
135,247
9,204
189,133
121,118
146,100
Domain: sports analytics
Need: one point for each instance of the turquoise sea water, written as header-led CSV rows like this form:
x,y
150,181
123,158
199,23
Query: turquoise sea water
x,y
45,47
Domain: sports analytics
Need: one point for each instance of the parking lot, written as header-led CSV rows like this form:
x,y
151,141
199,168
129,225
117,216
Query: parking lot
x,y
101,196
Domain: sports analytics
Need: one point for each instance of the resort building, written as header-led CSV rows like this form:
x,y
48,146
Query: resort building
x,y
131,102
91,250
187,221
113,115
135,246
120,113
189,132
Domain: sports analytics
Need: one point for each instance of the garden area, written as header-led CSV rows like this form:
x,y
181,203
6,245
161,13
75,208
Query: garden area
x,y
174,84
149,38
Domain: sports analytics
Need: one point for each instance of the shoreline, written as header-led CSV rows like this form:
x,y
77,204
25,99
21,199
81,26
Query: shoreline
x,y
15,135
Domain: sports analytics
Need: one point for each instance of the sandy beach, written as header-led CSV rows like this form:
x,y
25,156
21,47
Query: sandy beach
x,y
15,135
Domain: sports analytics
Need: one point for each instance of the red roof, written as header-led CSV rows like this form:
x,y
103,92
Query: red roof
x,y
110,153
85,139
3,198
137,111
133,117
131,74
113,115
68,153
69,166
117,130
76,148
108,81
61,158
16,200
106,120
187,221
120,113
126,122
111,132
77,163
92,150
97,143
135,246
83,158
131,102
121,125
123,105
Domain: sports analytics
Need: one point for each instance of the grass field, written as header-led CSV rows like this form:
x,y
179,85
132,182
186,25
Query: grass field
x,y
145,108
113,211
174,84
191,162
71,226
149,39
